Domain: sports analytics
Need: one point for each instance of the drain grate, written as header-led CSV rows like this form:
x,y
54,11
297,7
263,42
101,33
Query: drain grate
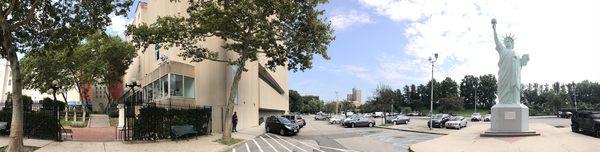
x,y
399,137
559,126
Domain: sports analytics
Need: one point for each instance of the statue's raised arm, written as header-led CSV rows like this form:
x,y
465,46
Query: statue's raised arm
x,y
499,46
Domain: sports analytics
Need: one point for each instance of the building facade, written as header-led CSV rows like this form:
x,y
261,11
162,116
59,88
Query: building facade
x,y
355,97
168,80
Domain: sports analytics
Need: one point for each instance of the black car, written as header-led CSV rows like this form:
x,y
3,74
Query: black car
x,y
438,120
586,121
281,125
359,122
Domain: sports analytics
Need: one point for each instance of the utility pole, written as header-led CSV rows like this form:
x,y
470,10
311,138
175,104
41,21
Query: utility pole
x,y
476,97
432,60
337,103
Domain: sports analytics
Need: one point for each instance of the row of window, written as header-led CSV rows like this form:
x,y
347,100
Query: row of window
x,y
170,85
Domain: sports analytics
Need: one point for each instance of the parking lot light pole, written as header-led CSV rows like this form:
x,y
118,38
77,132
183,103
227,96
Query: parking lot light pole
x,y
432,60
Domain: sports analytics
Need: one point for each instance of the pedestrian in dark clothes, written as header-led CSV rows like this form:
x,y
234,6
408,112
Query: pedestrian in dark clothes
x,y
234,120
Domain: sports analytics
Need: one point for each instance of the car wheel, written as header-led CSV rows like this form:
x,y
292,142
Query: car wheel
x,y
597,131
281,132
352,125
370,124
575,128
394,122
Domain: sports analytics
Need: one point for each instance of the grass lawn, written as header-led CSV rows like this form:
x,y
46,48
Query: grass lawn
x,y
113,122
232,142
72,124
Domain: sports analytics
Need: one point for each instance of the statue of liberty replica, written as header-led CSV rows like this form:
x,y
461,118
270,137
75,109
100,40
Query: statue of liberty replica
x,y
509,116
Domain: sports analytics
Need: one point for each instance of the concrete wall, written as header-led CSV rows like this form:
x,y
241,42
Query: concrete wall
x,y
212,79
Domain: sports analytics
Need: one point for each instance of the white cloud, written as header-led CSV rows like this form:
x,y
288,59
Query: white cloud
x,y
344,20
118,25
561,36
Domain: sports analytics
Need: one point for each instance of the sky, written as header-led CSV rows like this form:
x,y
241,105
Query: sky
x,y
388,42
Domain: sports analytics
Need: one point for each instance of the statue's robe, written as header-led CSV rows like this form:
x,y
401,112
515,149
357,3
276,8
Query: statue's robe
x,y
509,77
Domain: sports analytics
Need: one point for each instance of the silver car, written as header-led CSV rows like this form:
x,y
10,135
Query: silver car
x,y
336,119
456,122
401,119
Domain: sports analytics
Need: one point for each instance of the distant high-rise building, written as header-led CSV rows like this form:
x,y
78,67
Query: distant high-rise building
x,y
355,97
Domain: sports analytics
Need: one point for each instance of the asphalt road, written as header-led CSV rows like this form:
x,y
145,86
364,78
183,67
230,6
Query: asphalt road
x,y
320,136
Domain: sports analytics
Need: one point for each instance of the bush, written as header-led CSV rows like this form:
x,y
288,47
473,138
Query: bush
x,y
48,104
154,123
41,124
113,112
26,100
405,110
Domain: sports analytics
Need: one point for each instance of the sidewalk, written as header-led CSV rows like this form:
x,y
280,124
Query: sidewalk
x,y
552,140
27,142
202,143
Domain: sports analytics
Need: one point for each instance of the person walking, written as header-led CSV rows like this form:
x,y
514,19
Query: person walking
x,y
234,121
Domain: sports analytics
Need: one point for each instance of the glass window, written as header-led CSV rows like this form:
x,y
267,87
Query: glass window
x,y
156,90
188,87
176,85
164,81
234,69
9,82
157,51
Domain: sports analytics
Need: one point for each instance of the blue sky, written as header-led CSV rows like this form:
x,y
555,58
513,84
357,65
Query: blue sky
x,y
389,41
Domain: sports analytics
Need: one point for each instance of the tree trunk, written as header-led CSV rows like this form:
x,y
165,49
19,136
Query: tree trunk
x,y
231,103
15,139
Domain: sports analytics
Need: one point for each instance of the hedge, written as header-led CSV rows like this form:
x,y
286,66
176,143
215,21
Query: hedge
x,y
154,123
39,124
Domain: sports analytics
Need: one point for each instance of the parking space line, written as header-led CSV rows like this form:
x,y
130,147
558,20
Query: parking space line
x,y
268,143
259,148
309,145
233,150
279,143
247,148
303,144
290,143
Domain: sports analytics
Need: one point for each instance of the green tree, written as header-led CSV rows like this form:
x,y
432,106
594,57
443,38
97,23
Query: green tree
x,y
33,25
450,104
448,88
295,101
330,107
468,89
286,33
487,90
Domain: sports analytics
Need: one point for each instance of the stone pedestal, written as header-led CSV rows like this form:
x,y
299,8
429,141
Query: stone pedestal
x,y
121,116
510,120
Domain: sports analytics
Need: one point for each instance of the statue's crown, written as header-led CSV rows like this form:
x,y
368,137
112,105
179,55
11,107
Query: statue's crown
x,y
510,37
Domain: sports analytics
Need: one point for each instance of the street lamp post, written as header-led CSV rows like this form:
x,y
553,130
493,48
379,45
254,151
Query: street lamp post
x,y
432,60
476,97
575,95
55,86
132,87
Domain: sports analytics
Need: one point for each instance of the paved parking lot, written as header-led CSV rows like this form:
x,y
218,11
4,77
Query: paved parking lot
x,y
320,136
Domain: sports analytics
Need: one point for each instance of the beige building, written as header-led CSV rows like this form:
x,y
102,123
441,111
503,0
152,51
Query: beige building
x,y
355,97
167,79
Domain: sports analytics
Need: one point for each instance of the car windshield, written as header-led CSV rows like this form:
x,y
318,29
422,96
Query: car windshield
x,y
284,120
476,114
438,116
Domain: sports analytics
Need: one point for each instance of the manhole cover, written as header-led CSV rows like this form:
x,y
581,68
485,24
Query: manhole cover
x,y
559,126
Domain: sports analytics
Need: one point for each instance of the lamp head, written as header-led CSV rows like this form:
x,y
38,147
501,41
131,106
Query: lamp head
x,y
54,82
436,55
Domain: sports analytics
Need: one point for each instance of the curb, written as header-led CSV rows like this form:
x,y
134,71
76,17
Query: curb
x,y
409,130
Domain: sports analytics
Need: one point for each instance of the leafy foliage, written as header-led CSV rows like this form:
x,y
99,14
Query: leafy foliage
x,y
154,123
38,124
450,104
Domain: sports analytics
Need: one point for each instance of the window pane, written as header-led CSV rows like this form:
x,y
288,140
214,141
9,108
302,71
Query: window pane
x,y
156,89
165,85
189,88
176,85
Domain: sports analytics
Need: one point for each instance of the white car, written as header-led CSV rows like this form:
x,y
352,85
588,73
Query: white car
x,y
457,122
336,119
488,117
475,117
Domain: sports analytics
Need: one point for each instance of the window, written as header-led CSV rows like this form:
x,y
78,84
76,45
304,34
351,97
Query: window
x,y
9,82
234,69
188,87
157,51
176,85
164,82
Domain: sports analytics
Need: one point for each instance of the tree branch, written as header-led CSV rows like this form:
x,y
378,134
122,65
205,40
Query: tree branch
x,y
29,16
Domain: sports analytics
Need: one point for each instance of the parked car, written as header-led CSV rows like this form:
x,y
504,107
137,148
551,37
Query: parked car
x,y
400,119
456,122
586,121
388,119
296,119
348,118
359,122
487,118
367,115
476,117
565,113
320,117
337,119
414,113
378,114
281,125
438,120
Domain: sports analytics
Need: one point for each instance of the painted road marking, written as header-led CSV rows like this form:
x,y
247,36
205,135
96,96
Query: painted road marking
x,y
290,143
247,148
309,145
279,143
268,144
259,148
233,150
